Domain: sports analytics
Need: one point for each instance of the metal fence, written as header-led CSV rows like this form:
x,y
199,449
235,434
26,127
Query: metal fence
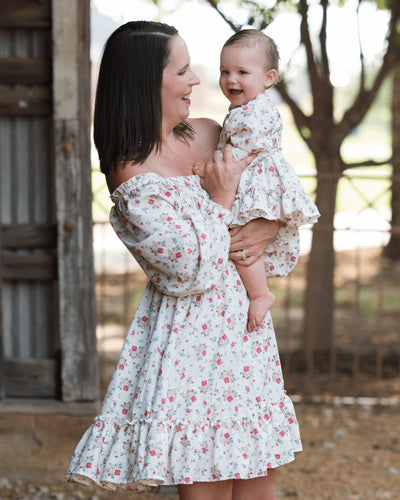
x,y
364,358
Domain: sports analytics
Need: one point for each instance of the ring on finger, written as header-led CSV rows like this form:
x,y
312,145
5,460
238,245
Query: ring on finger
x,y
244,256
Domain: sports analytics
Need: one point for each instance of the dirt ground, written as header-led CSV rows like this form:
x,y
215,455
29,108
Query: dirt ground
x,y
350,452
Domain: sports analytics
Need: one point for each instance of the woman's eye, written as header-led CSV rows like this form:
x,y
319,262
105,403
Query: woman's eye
x,y
181,73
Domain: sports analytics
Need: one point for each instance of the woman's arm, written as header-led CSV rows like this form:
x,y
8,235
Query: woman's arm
x,y
252,238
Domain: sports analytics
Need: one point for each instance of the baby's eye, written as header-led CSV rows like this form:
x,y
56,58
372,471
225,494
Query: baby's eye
x,y
224,72
242,72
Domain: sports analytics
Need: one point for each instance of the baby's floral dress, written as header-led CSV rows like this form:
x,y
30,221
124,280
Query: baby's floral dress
x,y
194,397
269,186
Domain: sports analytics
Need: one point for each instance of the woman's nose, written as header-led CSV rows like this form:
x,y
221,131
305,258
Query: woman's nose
x,y
195,80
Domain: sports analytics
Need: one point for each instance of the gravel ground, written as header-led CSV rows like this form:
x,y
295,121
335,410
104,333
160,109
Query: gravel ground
x,y
350,452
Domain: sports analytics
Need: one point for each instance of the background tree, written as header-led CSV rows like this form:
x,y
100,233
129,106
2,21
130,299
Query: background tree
x,y
392,250
324,135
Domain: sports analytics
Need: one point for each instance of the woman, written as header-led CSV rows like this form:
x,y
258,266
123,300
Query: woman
x,y
194,401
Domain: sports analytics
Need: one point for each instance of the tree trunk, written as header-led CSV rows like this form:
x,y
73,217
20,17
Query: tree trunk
x,y
392,250
319,298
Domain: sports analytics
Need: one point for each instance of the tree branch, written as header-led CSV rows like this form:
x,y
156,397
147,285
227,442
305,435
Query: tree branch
x,y
306,41
362,74
234,26
365,98
300,118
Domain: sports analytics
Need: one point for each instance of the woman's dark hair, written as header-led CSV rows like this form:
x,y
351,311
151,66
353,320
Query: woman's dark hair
x,y
127,115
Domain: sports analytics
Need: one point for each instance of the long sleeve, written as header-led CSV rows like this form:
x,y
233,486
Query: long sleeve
x,y
183,248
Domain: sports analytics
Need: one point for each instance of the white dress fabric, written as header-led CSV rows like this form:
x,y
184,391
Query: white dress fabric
x,y
194,397
269,186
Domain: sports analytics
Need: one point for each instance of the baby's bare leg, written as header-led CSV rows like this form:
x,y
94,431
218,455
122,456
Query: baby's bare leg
x,y
261,298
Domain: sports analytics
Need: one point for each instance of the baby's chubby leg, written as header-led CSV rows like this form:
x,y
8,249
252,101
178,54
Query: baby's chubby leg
x,y
261,298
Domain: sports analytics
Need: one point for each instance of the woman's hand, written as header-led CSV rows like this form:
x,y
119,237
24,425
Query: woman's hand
x,y
220,176
249,242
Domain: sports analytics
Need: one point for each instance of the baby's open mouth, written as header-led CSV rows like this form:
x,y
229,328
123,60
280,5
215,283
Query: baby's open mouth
x,y
235,91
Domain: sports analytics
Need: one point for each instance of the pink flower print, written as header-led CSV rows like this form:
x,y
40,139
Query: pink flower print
x,y
151,202
237,475
282,433
277,456
203,236
144,319
230,398
163,401
226,380
293,259
88,465
187,480
226,435
291,421
126,388
238,282
204,326
271,267
244,455
193,399
258,399
121,366
170,399
229,320
204,450
168,194
224,336
169,219
246,368
160,250
117,472
134,348
271,169
220,261
278,380
245,338
204,353
124,411
259,350
178,255
269,465
281,404
277,363
204,383
266,416
152,453
259,171
219,361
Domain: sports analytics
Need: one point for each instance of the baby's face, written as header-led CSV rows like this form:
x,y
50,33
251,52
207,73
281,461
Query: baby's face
x,y
244,73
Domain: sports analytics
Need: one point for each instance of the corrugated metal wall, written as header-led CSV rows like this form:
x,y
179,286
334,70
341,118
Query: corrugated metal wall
x,y
26,184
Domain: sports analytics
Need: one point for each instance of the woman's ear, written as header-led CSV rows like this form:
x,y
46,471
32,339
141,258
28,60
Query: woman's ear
x,y
270,78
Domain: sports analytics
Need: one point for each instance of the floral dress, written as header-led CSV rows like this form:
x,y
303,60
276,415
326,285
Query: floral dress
x,y
269,187
194,397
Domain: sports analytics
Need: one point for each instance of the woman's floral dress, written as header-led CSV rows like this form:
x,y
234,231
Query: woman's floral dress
x,y
269,187
194,397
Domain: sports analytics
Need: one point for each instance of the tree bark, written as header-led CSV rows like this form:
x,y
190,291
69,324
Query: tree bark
x,y
319,297
392,250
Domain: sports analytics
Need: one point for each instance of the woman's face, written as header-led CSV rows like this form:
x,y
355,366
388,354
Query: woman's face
x,y
177,82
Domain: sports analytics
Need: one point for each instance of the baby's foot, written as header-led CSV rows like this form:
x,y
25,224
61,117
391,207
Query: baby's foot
x,y
258,308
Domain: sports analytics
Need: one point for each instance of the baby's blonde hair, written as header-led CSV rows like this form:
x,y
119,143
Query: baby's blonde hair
x,y
250,38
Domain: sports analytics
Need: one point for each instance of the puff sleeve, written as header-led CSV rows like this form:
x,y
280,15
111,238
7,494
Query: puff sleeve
x,y
183,248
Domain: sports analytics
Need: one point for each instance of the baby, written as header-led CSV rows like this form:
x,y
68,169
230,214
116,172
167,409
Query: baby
x,y
269,187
